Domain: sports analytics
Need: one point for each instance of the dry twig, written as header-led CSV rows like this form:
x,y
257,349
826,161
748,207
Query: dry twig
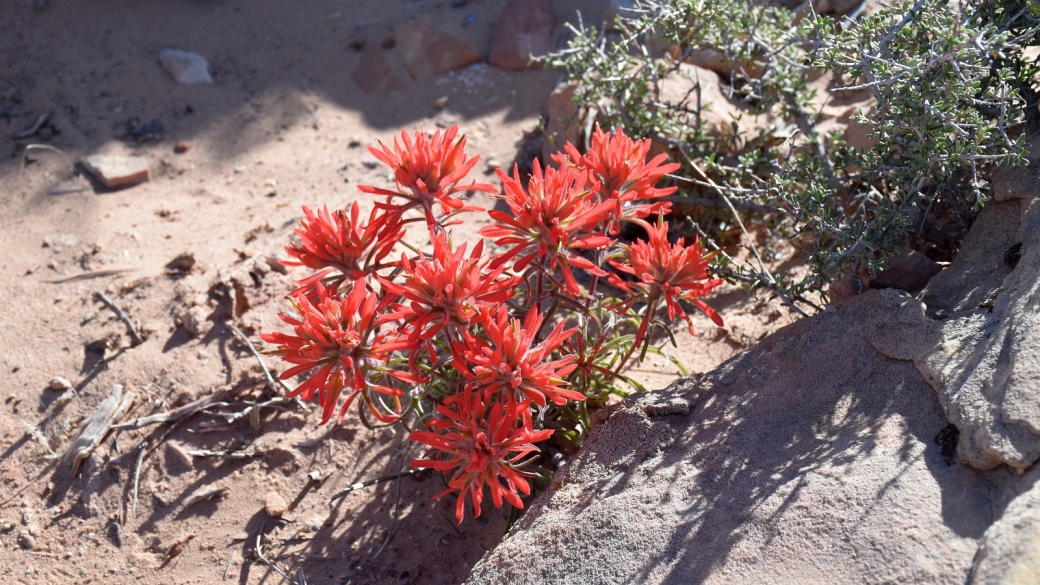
x,y
97,427
176,549
135,333
201,496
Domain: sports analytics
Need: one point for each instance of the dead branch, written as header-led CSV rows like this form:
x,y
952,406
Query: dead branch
x,y
269,563
135,333
365,484
170,415
224,454
98,425
201,496
137,475
177,548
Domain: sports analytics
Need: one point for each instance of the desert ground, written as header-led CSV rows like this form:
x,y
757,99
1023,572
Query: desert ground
x,y
285,123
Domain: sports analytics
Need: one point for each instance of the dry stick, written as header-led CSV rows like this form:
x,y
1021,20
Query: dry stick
x,y
225,454
137,476
364,484
170,415
227,569
201,496
271,564
393,526
89,275
34,128
135,334
273,381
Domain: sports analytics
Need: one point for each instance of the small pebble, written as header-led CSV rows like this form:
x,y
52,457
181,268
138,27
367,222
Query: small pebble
x,y
59,383
88,318
314,475
261,267
274,505
370,163
26,541
354,142
275,263
441,103
182,146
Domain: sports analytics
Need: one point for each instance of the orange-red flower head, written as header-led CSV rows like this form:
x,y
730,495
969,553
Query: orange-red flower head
x,y
666,272
428,170
446,289
511,364
619,172
549,222
338,337
482,446
338,244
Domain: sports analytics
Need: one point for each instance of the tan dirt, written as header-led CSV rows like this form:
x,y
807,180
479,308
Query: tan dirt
x,y
272,133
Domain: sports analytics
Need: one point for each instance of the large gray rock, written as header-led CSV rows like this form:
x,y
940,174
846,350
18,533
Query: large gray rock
x,y
825,472
825,454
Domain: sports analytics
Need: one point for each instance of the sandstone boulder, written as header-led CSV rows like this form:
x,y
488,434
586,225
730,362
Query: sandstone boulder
x,y
888,439
826,472
428,51
524,30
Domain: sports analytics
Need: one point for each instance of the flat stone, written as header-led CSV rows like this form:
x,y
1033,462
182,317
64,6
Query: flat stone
x,y
524,29
563,124
371,70
274,505
428,51
117,171
58,383
185,67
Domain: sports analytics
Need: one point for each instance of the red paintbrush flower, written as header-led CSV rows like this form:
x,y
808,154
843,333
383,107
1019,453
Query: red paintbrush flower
x,y
339,337
548,219
428,171
482,449
665,272
446,289
620,173
338,244
508,363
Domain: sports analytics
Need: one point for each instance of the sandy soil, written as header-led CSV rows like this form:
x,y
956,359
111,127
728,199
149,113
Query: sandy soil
x,y
272,133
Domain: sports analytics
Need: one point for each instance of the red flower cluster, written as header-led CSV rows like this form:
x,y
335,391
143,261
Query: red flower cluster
x,y
620,174
665,272
548,220
372,329
481,444
338,337
339,244
429,169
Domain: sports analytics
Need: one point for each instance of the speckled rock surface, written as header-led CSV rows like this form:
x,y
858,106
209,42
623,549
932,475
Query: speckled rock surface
x,y
826,453
825,472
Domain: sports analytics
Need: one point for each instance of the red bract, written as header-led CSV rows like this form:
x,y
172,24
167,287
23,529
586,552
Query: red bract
x,y
620,173
338,243
548,218
430,169
508,363
445,289
481,449
339,338
665,271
